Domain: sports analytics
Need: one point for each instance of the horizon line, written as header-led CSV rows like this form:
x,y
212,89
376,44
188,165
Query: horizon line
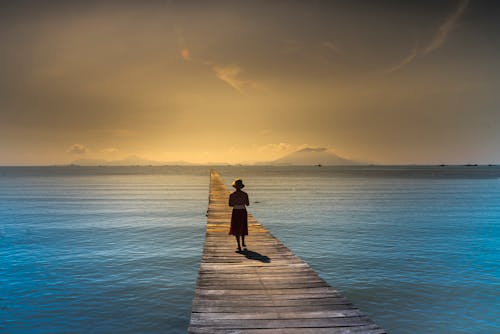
x,y
267,165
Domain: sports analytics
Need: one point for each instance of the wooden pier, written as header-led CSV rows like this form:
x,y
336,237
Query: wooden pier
x,y
265,289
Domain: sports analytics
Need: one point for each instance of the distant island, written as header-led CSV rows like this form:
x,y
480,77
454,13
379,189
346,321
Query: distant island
x,y
319,156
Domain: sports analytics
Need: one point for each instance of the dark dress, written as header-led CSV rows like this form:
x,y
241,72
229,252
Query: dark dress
x,y
239,218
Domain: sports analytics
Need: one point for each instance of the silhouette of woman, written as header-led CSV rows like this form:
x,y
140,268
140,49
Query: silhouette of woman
x,y
239,219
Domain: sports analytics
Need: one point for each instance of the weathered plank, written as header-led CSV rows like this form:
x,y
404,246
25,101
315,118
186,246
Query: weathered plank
x,y
371,329
264,309
264,288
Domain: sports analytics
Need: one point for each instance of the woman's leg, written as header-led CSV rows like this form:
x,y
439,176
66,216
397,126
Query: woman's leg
x,y
243,240
238,241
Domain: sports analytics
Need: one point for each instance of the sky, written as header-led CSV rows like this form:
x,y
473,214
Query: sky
x,y
388,82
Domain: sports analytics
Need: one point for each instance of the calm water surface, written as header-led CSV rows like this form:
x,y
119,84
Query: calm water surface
x,y
117,249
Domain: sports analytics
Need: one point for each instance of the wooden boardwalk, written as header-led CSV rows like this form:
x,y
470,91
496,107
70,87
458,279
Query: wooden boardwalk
x,y
266,289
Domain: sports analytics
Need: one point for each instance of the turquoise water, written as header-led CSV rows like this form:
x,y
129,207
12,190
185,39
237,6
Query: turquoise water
x,y
117,249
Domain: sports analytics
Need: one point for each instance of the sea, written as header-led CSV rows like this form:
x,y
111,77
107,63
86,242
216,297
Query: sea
x,y
117,249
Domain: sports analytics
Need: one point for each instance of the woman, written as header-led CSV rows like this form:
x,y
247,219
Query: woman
x,y
239,224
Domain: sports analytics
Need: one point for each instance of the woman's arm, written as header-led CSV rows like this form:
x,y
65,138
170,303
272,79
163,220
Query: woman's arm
x,y
231,200
247,202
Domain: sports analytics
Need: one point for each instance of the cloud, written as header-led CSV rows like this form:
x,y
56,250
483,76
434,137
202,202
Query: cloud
x,y
185,54
77,149
446,28
280,147
291,46
110,150
117,132
332,47
229,74
181,43
408,59
439,38
314,149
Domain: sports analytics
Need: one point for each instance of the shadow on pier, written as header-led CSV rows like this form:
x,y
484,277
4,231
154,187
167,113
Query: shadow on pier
x,y
251,255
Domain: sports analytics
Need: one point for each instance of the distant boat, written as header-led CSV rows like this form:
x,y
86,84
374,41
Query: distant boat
x,y
319,165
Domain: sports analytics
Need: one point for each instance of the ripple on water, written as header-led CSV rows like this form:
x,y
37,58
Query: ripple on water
x,y
112,250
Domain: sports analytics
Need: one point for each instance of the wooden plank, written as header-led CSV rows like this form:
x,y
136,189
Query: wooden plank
x,y
277,315
264,289
252,309
270,302
287,296
366,329
268,292
283,323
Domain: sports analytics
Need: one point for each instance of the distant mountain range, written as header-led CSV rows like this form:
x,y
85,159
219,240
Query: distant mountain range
x,y
313,156
128,161
305,156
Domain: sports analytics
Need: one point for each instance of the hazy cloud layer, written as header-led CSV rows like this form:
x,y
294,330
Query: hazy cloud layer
x,y
216,81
